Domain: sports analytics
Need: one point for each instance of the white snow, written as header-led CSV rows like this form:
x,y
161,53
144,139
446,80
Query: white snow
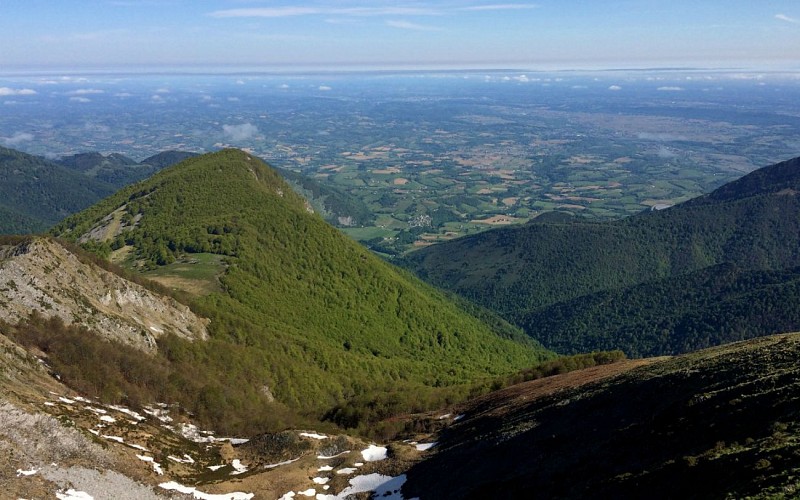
x,y
287,462
99,411
66,400
114,438
346,470
106,418
313,436
374,453
138,447
235,440
156,329
71,494
215,467
172,485
385,487
238,467
325,468
309,492
126,411
31,472
442,417
358,464
185,460
48,403
156,465
323,457
458,417
159,413
96,433
82,399
321,480
425,446
288,496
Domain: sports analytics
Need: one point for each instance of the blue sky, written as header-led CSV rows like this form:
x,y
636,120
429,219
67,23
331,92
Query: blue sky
x,y
543,34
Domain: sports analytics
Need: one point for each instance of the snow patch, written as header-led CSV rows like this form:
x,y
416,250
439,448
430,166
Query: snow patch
x,y
442,417
374,453
309,492
71,494
215,467
321,480
185,460
31,472
114,438
188,490
385,487
323,457
156,465
106,418
238,467
126,411
66,400
325,468
137,447
99,411
313,436
425,446
458,417
288,496
346,471
287,462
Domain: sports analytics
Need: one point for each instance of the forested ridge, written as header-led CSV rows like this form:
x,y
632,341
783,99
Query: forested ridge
x,y
302,310
583,270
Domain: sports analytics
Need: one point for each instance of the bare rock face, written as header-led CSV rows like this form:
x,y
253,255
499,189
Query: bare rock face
x,y
41,275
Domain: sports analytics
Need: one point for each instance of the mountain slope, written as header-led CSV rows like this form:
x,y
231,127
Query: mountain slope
x,y
712,306
753,223
719,423
326,320
36,193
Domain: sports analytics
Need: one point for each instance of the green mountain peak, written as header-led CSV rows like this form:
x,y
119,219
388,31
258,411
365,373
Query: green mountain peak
x,y
294,305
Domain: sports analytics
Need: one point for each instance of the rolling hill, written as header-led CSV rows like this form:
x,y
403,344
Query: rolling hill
x,y
35,193
297,310
584,269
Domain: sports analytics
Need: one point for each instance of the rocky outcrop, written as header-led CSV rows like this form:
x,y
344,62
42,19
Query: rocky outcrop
x,y
41,275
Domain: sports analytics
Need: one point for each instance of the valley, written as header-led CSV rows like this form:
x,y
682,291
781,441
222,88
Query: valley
x,y
592,299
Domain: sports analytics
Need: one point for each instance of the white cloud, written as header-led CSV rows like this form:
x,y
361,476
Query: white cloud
x,y
328,11
86,92
670,89
502,6
784,17
162,91
6,91
241,132
17,139
233,99
283,86
295,11
324,88
79,99
615,87
405,25
123,94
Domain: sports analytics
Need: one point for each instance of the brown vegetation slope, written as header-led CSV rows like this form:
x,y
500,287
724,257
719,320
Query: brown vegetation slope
x,y
723,422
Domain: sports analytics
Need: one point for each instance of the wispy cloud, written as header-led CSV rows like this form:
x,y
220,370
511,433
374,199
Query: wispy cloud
x,y
6,91
670,89
501,6
405,25
784,17
327,11
294,11
16,139
79,99
240,132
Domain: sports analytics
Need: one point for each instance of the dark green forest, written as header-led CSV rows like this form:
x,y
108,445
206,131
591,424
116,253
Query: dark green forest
x,y
521,272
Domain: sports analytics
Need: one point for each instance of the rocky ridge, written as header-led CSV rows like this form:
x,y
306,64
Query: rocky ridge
x,y
41,275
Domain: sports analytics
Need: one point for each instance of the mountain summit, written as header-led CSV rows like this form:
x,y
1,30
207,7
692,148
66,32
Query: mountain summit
x,y
298,310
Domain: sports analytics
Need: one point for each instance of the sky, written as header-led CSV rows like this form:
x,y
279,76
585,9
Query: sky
x,y
360,34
